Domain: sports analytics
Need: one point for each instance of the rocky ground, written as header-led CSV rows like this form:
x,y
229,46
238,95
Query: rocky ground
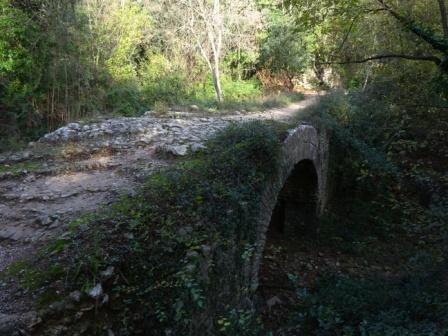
x,y
83,167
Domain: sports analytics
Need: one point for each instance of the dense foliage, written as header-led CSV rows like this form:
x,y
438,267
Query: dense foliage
x,y
414,304
395,211
388,181
65,60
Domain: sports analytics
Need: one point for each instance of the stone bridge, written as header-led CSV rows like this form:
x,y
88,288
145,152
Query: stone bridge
x,y
84,166
297,195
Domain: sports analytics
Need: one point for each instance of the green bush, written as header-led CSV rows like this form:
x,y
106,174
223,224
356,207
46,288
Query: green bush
x,y
236,92
241,89
361,177
20,66
160,81
124,99
415,304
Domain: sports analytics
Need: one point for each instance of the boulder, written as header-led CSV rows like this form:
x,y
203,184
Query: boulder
x,y
174,150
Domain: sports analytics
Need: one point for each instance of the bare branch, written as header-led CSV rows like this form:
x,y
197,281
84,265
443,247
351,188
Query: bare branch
x,y
347,34
427,58
436,42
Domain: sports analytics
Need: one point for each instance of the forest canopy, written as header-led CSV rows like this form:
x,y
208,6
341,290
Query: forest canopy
x,y
65,60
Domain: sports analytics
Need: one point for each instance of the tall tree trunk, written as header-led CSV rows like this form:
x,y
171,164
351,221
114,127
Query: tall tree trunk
x,y
216,74
217,82
444,18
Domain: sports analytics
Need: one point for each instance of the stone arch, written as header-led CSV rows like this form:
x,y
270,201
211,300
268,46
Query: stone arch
x,y
295,212
304,150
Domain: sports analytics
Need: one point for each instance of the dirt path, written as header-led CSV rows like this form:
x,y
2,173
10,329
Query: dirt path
x,y
289,112
84,167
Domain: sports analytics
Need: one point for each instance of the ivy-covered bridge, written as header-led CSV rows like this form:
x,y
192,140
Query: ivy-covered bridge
x,y
207,220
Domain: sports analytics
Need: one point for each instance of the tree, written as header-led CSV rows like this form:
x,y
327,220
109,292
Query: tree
x,y
212,26
353,11
19,70
283,49
438,42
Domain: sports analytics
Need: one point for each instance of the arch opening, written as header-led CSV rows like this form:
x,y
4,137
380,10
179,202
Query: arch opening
x,y
293,226
295,213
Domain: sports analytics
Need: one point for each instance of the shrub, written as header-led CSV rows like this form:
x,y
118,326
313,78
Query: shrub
x,y
414,304
124,98
161,107
236,92
357,165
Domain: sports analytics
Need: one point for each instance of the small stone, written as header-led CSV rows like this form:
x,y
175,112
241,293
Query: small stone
x,y
29,179
273,302
44,220
96,292
107,274
58,307
75,296
58,330
180,150
196,147
74,126
192,254
105,300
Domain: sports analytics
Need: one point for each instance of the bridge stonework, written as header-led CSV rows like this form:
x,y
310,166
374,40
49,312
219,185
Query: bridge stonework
x,y
303,143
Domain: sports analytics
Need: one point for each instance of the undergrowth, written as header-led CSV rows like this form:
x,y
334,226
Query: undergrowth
x,y
383,183
17,168
387,205
180,250
412,304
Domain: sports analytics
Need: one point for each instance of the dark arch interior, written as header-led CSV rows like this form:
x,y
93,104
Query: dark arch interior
x,y
295,213
292,230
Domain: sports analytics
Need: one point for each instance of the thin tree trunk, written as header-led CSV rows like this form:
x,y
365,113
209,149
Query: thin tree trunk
x,y
217,82
444,18
290,82
67,108
367,79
